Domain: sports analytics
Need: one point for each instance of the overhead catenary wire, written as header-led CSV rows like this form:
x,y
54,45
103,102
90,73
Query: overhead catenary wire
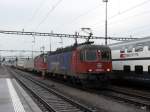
x,y
125,11
109,18
32,18
127,18
139,30
81,15
47,15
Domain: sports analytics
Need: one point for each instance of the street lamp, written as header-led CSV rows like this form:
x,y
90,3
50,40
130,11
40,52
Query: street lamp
x,y
105,22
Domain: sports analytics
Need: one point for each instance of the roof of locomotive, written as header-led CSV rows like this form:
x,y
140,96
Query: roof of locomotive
x,y
41,55
79,47
145,40
88,46
60,50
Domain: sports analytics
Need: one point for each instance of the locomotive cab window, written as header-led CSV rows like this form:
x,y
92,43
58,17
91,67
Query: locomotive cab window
x,y
91,55
82,55
105,55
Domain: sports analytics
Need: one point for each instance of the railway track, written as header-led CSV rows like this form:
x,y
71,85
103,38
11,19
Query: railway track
x,y
52,100
137,97
131,92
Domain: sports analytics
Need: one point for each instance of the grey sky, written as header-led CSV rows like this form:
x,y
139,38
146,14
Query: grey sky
x,y
125,18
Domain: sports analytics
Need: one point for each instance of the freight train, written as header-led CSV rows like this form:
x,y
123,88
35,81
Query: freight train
x,y
80,63
131,60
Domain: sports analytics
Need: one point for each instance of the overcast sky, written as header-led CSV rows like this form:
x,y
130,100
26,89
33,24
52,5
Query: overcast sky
x,y
125,18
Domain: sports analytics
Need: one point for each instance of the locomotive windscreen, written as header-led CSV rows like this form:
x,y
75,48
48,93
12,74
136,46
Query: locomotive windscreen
x,y
105,55
94,53
88,55
91,55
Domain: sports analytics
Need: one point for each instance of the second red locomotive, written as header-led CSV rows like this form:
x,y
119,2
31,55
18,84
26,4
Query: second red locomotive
x,y
40,64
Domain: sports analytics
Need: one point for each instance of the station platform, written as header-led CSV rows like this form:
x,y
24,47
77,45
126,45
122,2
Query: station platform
x,y
13,98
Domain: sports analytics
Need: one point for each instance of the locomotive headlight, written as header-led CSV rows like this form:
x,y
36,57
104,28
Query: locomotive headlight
x,y
90,70
108,70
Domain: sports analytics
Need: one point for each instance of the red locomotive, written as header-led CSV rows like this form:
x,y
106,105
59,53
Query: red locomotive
x,y
81,63
40,64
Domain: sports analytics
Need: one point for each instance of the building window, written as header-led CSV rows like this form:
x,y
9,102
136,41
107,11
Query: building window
x,y
139,69
127,68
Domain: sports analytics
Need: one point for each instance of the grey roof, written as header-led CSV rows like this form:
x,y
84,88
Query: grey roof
x,y
88,46
141,41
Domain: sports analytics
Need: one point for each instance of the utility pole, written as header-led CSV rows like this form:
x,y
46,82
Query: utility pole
x,y
106,1
76,41
61,42
33,42
50,46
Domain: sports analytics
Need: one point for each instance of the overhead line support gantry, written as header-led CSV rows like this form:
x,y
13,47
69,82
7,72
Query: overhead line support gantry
x,y
63,35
